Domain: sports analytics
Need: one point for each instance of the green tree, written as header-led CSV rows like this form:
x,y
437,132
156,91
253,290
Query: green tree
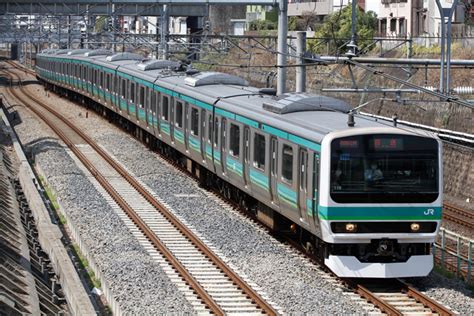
x,y
336,30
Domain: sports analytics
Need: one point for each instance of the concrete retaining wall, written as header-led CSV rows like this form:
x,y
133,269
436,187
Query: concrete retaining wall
x,y
49,236
115,307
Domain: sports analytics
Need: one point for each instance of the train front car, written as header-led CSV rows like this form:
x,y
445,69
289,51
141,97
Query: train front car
x,y
381,201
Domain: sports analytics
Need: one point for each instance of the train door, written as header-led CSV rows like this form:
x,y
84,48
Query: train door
x,y
274,169
194,139
141,104
216,151
178,128
260,165
315,187
208,143
303,186
123,96
164,118
148,115
234,157
287,183
186,127
223,143
172,127
246,160
203,135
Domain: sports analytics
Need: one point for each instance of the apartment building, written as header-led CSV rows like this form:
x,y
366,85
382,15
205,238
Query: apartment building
x,y
402,18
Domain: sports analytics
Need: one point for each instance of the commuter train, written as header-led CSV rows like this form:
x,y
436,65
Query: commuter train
x,y
363,195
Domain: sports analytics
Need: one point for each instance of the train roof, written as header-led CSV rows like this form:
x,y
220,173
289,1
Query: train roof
x,y
306,115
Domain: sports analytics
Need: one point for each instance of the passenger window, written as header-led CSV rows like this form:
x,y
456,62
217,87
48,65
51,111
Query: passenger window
x,y
209,129
116,84
132,92
234,140
179,114
194,122
155,97
259,151
274,156
216,132
303,171
287,164
247,144
124,89
101,78
165,112
141,97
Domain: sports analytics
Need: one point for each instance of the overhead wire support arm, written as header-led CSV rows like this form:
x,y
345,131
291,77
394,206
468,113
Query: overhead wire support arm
x,y
442,96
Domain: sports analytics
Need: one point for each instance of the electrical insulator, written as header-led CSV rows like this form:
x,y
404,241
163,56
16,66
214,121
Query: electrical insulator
x,y
464,90
431,88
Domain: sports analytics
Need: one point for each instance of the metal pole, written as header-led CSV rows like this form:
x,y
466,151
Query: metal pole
x,y
448,53
69,32
352,46
442,26
301,70
282,46
164,30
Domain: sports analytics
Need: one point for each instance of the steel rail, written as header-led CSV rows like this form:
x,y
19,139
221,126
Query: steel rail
x,y
131,214
267,308
458,215
426,301
377,301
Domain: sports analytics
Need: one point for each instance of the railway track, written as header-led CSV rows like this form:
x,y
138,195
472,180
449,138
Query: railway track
x,y
458,215
215,286
392,297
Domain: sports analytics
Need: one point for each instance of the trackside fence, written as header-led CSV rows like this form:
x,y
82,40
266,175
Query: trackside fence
x,y
453,253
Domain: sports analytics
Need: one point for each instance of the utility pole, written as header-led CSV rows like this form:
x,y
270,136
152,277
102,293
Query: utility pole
x,y
301,70
448,53
352,46
444,84
164,31
282,45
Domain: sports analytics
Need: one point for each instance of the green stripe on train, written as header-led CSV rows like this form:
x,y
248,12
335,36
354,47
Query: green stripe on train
x,y
380,213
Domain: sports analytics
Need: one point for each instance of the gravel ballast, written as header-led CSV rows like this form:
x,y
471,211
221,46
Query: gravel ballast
x,y
138,283
288,280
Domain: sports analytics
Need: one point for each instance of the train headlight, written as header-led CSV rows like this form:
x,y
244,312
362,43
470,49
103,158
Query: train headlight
x,y
415,227
350,227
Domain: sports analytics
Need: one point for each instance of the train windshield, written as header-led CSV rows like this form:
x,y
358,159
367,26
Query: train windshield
x,y
384,168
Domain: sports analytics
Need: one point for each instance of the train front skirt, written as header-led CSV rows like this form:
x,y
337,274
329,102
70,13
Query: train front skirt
x,y
351,267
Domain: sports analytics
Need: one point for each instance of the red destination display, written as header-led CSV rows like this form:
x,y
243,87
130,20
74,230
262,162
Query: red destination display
x,y
387,143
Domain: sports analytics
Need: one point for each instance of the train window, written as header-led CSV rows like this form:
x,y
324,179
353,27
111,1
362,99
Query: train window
x,y
274,156
287,164
116,84
154,100
303,171
259,151
165,108
234,140
124,89
246,144
209,129
179,114
141,96
106,82
216,132
194,122
132,92
110,82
